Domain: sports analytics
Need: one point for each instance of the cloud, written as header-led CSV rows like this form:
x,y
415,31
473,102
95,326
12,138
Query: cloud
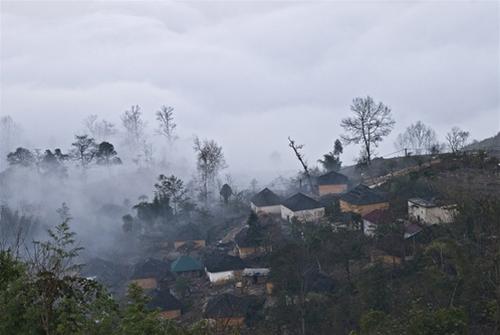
x,y
250,74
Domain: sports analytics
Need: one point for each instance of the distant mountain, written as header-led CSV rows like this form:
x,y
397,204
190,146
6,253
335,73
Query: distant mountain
x,y
490,144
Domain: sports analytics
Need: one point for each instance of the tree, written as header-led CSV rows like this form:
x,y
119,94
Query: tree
x,y
418,137
100,130
171,188
331,161
296,149
210,161
9,133
370,124
134,127
226,192
166,124
51,164
106,154
21,157
84,150
457,139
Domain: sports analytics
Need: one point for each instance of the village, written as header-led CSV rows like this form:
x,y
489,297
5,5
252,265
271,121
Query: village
x,y
228,279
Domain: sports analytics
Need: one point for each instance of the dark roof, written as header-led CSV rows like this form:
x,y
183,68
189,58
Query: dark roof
x,y
266,197
185,263
189,232
300,202
164,301
226,305
363,195
150,268
106,272
243,240
223,262
378,216
332,178
412,229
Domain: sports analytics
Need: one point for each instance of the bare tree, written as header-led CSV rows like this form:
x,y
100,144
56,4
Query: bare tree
x,y
457,139
166,127
371,122
100,130
9,133
84,150
134,127
417,137
210,160
296,149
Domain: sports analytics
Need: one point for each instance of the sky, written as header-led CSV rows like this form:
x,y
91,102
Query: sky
x,y
250,74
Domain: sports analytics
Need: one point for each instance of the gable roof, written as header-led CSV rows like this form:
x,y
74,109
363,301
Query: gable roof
x,y
332,178
363,195
150,268
226,305
266,197
165,301
185,263
300,202
223,262
378,216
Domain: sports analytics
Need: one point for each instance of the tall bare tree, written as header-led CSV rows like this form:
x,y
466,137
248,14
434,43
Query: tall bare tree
x,y
300,156
134,127
369,125
457,139
100,130
166,124
417,137
9,133
210,161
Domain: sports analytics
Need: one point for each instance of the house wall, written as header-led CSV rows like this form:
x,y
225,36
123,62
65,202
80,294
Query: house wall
x,y
369,228
220,277
273,210
221,323
197,243
332,189
362,209
171,314
431,215
307,215
146,283
249,251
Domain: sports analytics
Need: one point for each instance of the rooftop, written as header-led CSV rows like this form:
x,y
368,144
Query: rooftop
x,y
150,268
164,301
226,305
266,197
378,216
223,262
332,178
363,195
301,202
185,264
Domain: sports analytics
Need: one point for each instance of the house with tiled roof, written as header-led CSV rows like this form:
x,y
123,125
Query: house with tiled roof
x,y
148,273
363,200
430,211
186,266
168,305
221,268
189,235
302,207
227,310
374,219
266,201
332,183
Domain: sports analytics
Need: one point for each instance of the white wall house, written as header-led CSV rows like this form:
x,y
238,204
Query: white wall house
x,y
303,208
273,210
266,201
220,277
428,212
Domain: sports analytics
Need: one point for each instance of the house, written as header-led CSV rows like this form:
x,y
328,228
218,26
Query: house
x,y
332,183
266,201
221,268
302,207
189,235
149,273
227,310
430,211
363,200
186,266
374,219
246,245
166,303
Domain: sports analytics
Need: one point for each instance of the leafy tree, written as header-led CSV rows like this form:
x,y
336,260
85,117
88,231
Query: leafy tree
x,y
84,150
369,125
51,164
173,189
21,157
106,154
226,192
331,161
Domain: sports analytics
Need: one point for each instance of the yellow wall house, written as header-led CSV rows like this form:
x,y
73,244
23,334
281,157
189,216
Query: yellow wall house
x,y
148,273
227,310
168,305
266,201
363,200
332,183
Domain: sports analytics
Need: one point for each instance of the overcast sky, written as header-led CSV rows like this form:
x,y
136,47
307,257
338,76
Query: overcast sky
x,y
249,74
